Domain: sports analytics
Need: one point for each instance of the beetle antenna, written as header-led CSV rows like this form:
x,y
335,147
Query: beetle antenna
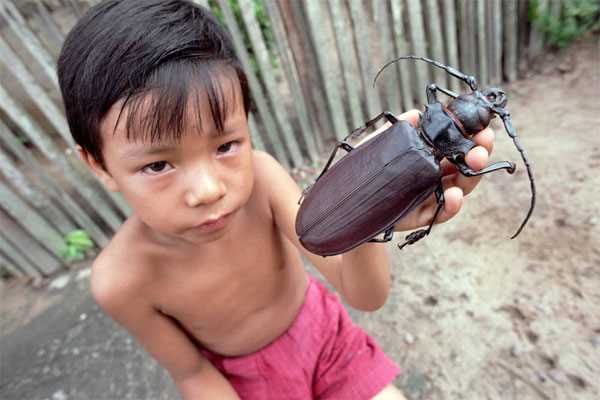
x,y
469,80
505,116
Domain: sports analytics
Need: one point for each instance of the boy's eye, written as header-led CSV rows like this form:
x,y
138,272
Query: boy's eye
x,y
228,147
155,168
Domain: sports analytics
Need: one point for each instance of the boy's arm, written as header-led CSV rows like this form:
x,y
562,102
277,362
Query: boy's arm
x,y
361,275
194,376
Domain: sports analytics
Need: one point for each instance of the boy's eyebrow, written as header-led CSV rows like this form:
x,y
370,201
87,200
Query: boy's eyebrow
x,y
141,151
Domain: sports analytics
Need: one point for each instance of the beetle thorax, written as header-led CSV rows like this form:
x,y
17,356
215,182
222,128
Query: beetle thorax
x,y
471,112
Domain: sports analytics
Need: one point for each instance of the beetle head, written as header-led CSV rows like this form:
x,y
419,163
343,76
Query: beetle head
x,y
495,96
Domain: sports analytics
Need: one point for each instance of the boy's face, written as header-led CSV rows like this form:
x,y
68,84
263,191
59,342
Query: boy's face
x,y
192,189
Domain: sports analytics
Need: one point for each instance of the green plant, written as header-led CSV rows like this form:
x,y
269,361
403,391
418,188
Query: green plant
x,y
76,244
575,18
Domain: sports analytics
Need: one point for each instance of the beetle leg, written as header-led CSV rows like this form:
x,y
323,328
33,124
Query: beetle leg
x,y
421,233
369,124
432,95
508,126
387,236
466,171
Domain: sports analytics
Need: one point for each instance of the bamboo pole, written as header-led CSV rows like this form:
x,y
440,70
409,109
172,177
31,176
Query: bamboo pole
x,y
18,26
267,74
401,46
328,67
467,37
36,93
386,49
510,33
345,51
367,72
31,220
258,95
75,211
451,40
35,197
495,12
419,45
482,56
436,42
33,258
307,128
54,154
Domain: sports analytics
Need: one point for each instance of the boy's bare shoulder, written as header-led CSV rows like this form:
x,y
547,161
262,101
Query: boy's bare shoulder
x,y
120,271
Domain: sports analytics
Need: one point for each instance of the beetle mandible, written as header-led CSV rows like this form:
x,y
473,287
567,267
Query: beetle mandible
x,y
375,185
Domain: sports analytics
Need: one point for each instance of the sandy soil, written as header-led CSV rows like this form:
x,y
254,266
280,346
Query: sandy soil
x,y
471,315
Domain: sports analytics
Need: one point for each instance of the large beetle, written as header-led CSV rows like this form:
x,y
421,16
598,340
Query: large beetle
x,y
373,186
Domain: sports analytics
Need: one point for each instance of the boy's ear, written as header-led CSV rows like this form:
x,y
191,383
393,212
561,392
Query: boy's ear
x,y
97,169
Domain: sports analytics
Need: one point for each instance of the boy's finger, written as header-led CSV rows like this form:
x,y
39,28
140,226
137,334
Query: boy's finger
x,y
485,138
452,203
412,117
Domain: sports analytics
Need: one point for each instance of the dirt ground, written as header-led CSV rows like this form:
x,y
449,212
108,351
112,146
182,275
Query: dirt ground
x,y
471,315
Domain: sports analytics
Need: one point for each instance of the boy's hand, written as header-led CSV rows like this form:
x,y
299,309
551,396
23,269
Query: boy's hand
x,y
456,185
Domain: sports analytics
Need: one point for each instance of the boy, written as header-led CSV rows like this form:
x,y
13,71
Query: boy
x,y
206,273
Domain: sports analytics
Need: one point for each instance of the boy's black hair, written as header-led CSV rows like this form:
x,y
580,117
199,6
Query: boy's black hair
x,y
123,50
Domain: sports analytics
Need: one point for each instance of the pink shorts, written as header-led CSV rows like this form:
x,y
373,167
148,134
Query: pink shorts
x,y
322,355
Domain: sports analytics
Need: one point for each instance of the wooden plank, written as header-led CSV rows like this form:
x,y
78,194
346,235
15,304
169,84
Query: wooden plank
x,y
38,260
264,112
17,259
482,53
451,40
523,43
254,134
495,42
536,37
36,93
263,59
510,34
386,48
436,44
347,58
76,212
18,26
35,197
49,26
367,72
328,67
419,46
10,267
54,154
466,33
291,75
304,55
31,220
401,46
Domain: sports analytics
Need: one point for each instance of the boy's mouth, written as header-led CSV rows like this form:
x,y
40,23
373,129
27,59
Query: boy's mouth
x,y
213,224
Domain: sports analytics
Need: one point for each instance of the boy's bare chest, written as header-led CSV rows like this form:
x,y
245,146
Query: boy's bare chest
x,y
228,303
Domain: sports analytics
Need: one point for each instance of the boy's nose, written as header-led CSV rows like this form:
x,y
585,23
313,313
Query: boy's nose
x,y
204,189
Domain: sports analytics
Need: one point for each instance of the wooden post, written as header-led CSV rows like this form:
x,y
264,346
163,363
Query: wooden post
x,y
53,153
451,39
419,45
389,83
307,128
257,93
482,53
436,44
367,71
495,42
18,26
401,45
347,58
74,209
266,72
328,67
467,37
510,33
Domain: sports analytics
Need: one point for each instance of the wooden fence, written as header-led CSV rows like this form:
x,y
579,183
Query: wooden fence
x,y
310,73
